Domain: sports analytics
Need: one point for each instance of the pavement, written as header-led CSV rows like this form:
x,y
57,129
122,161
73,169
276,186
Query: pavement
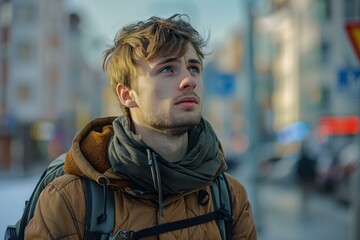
x,y
277,209
281,214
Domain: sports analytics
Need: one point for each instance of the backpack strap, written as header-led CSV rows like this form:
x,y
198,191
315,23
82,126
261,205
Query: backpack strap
x,y
54,170
99,214
222,214
222,202
168,227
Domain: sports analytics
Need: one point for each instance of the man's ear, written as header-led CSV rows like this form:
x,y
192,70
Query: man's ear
x,y
125,96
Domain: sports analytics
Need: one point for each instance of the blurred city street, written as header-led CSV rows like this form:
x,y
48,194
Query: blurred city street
x,y
278,210
282,218
279,215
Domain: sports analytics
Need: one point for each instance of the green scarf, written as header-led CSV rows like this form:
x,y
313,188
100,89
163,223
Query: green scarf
x,y
202,163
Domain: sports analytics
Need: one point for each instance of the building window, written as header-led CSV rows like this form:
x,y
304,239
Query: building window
x,y
25,14
23,93
25,52
324,8
352,9
5,13
325,51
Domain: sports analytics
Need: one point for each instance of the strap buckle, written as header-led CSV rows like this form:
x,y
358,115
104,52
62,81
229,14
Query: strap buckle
x,y
123,235
224,213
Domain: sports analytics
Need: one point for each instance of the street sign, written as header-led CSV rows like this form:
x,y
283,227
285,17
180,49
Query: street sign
x,y
349,82
353,31
339,125
219,83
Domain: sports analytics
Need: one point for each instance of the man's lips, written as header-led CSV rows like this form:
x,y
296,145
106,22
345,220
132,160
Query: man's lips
x,y
187,100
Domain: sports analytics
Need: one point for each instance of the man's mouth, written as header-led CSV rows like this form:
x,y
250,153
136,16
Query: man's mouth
x,y
188,101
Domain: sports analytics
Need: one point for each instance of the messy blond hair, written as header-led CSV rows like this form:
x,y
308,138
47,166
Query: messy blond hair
x,y
145,41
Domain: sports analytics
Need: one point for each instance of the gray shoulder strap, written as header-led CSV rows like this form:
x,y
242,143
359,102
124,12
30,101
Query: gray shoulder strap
x,y
222,200
99,210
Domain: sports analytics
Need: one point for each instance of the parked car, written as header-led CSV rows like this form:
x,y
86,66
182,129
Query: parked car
x,y
349,158
339,160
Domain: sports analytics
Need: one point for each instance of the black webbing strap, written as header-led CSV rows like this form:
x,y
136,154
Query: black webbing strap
x,y
229,220
168,227
89,206
24,219
94,208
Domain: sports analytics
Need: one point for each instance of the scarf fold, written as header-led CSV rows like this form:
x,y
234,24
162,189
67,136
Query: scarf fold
x,y
202,163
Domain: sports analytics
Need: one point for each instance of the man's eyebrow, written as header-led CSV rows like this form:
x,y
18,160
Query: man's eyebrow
x,y
174,59
167,60
195,61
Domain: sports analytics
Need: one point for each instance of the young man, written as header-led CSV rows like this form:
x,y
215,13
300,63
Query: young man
x,y
159,155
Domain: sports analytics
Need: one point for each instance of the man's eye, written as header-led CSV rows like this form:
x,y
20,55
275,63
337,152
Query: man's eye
x,y
166,69
194,69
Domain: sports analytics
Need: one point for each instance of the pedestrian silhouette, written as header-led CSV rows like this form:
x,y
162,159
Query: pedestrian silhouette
x,y
306,177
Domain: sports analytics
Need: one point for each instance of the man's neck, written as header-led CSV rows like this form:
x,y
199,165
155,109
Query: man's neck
x,y
171,148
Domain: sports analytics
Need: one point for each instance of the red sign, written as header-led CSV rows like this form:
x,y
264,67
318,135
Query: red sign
x,y
353,31
339,125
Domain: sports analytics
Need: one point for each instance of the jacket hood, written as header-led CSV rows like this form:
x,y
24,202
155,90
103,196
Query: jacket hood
x,y
88,156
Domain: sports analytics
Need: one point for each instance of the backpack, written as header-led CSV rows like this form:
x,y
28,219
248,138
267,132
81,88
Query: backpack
x,y
100,215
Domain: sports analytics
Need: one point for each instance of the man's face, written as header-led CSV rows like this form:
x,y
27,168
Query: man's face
x,y
168,93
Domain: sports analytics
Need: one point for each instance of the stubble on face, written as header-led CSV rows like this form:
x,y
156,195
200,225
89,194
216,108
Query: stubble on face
x,y
175,127
167,122
173,122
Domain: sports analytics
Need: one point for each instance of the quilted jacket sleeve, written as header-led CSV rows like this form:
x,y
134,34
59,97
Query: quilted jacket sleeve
x,y
54,218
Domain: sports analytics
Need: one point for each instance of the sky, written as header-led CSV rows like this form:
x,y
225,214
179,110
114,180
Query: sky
x,y
106,17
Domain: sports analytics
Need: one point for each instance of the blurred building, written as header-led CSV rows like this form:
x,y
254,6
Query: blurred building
x,y
304,54
225,96
5,136
302,48
301,54
48,88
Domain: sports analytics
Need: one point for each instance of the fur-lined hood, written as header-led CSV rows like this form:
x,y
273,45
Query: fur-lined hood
x,y
88,153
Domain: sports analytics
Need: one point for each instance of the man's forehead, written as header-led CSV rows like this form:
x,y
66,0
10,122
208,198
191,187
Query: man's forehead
x,y
192,54
189,56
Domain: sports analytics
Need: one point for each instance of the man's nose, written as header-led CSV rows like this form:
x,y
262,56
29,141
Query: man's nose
x,y
187,80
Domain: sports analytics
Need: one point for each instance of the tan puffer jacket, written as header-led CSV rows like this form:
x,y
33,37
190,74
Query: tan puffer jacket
x,y
60,212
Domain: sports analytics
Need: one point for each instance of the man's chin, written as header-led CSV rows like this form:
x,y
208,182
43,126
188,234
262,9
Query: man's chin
x,y
188,117
179,130
180,126
188,120
185,126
